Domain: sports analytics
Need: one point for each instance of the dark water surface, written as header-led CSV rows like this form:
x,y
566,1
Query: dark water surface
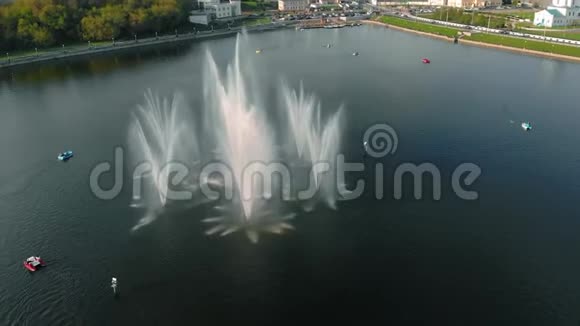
x,y
509,258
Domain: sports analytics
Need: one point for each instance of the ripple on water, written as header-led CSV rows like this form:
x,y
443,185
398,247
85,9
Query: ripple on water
x,y
38,296
36,206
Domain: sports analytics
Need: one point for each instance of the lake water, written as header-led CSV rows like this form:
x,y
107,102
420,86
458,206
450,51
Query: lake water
x,y
511,257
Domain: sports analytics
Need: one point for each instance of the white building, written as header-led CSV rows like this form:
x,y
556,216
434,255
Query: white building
x,y
219,9
293,5
199,18
560,13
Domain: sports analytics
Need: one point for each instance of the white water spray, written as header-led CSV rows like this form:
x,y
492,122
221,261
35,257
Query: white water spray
x,y
314,143
237,124
160,135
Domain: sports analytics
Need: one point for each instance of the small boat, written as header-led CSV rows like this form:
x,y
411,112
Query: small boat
x,y
33,263
355,53
258,51
526,126
65,156
425,60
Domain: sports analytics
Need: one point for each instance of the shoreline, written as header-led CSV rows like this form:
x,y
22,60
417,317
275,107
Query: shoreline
x,y
119,46
482,44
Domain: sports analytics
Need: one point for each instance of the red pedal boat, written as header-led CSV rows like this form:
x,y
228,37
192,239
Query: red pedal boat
x,y
33,263
425,60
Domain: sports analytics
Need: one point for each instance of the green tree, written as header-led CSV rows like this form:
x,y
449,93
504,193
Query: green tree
x,y
104,23
54,17
43,22
140,20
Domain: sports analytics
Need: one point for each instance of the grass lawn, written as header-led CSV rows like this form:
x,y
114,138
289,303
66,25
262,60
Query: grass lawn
x,y
523,14
520,43
422,27
257,21
526,44
567,27
551,33
249,5
460,16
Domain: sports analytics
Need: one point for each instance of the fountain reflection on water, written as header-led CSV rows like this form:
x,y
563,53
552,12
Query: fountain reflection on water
x,y
238,126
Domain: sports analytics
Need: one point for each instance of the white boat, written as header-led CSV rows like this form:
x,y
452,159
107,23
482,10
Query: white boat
x,y
526,126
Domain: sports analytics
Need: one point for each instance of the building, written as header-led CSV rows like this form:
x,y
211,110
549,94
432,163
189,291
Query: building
x,y
200,18
560,13
293,5
220,9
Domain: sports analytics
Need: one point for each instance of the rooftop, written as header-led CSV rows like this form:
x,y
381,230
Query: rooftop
x,y
555,12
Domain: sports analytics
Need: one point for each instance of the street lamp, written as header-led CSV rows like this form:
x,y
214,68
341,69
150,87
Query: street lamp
x,y
36,51
544,32
89,44
8,57
543,25
472,14
156,36
135,37
113,41
176,33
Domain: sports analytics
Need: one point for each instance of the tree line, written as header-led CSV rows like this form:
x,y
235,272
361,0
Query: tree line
x,y
42,23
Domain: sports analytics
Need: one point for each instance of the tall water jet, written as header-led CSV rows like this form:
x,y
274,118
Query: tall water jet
x,y
161,140
315,143
243,137
242,131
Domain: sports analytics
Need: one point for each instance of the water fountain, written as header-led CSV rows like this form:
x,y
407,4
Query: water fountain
x,y
237,126
315,143
161,140
243,137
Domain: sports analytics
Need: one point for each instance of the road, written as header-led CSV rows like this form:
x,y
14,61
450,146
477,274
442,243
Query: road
x,y
117,46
